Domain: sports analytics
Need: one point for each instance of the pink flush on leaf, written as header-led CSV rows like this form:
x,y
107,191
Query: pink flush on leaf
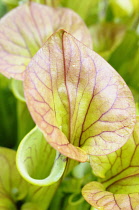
x,y
26,28
77,99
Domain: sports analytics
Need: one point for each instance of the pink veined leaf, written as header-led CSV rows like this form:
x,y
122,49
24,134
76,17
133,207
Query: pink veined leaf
x,y
119,187
77,99
24,30
95,194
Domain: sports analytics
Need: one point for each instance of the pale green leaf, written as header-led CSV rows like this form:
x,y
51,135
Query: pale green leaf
x,y
12,187
15,192
119,189
35,158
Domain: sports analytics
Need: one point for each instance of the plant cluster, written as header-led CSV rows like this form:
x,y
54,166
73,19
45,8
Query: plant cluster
x,y
69,128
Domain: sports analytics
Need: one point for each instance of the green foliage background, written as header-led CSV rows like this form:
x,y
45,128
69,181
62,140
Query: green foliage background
x,y
114,26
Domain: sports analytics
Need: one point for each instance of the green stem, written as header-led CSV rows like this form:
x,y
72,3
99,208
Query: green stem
x,y
24,121
17,89
40,1
75,203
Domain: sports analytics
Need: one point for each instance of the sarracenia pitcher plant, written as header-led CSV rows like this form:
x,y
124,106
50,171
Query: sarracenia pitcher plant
x,y
82,108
